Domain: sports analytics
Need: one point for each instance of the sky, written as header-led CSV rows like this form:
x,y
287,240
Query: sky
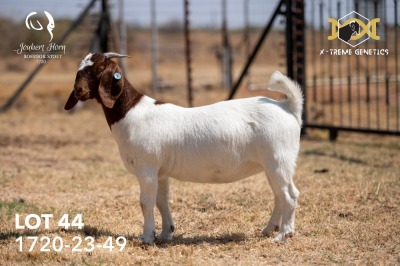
x,y
203,12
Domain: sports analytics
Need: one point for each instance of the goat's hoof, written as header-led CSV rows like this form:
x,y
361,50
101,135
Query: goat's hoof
x,y
282,237
269,230
165,237
147,240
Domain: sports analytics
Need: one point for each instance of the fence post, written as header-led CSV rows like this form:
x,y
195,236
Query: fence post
x,y
226,51
122,34
188,53
154,47
300,64
289,40
246,36
105,27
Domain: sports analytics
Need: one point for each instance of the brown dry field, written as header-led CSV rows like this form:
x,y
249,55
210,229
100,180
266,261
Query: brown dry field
x,y
58,163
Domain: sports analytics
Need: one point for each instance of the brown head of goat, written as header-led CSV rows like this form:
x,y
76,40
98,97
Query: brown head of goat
x,y
101,78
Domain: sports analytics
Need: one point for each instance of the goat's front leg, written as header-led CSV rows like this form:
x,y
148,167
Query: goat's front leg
x,y
163,206
148,190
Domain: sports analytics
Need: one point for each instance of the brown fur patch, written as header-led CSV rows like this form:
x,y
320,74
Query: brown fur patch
x,y
127,100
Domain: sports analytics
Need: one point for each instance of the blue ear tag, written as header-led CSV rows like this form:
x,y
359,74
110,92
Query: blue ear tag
x,y
117,75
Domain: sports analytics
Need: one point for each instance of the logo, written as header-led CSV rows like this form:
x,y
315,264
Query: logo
x,y
41,52
50,26
353,29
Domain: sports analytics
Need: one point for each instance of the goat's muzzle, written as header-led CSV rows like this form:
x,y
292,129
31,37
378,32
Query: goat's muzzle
x,y
81,94
78,93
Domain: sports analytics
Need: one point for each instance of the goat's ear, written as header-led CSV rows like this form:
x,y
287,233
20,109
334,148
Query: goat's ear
x,y
110,88
71,102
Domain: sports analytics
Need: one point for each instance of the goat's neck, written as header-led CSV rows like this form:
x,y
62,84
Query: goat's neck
x,y
127,100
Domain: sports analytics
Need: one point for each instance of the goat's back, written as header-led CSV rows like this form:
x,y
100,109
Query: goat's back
x,y
217,143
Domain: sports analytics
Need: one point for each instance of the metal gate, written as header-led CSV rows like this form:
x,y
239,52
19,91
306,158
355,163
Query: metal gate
x,y
344,54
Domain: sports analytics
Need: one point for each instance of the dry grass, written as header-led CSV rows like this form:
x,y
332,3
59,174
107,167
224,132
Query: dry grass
x,y
53,162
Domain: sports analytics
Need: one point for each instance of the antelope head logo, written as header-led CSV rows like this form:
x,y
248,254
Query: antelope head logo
x,y
50,25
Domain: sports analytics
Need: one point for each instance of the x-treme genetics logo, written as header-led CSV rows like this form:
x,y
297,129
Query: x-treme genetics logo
x,y
354,29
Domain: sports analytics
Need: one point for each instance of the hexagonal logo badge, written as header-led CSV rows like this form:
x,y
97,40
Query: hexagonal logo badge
x,y
350,29
353,29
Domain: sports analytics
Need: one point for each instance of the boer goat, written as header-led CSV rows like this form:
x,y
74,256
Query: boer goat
x,y
218,143
349,30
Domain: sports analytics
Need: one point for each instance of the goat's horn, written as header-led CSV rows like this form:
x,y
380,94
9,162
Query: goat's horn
x,y
114,55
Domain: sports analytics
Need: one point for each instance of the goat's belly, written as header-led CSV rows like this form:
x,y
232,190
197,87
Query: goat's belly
x,y
214,173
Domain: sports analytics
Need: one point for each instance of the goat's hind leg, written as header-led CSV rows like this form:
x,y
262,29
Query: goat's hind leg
x,y
286,195
276,216
290,194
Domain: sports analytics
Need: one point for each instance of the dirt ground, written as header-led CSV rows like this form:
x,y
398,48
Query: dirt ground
x,y
52,162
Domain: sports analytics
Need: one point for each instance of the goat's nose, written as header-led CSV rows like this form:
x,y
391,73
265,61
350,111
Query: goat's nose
x,y
78,90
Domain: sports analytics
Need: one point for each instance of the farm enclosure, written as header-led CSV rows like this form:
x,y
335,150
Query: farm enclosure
x,y
54,162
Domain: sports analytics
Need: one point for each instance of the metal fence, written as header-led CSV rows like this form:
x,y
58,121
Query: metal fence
x,y
356,92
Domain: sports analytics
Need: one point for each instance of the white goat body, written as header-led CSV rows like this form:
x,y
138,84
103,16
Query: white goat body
x,y
218,143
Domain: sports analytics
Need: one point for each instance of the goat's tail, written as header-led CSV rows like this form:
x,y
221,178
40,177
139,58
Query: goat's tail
x,y
292,90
